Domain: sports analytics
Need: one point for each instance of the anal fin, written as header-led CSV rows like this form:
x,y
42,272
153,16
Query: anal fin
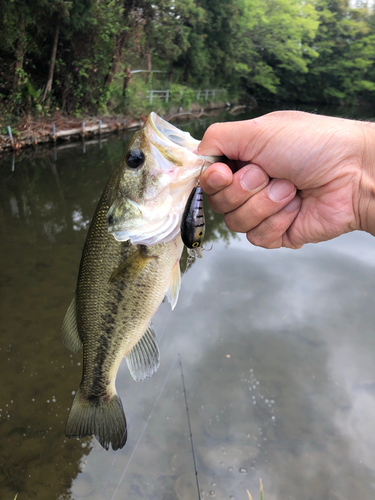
x,y
144,359
69,329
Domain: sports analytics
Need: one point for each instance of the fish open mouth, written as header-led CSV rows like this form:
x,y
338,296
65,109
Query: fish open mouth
x,y
168,132
174,167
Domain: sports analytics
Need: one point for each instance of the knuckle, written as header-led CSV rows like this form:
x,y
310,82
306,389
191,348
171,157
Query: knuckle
x,y
211,132
255,214
232,223
215,205
222,201
254,239
212,129
259,240
255,209
276,226
261,237
225,201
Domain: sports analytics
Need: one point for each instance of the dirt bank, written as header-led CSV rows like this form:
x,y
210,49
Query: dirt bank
x,y
32,131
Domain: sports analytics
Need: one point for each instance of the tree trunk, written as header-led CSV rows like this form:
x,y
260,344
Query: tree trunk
x,y
65,95
120,42
149,62
20,54
127,78
48,88
186,73
171,68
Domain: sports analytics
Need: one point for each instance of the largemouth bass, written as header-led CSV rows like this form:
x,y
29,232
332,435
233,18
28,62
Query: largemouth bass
x,y
130,262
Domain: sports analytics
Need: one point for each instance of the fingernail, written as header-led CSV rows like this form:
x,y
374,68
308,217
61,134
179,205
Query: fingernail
x,y
217,180
253,178
294,204
280,189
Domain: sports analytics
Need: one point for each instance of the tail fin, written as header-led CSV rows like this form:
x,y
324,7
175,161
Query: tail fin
x,y
105,419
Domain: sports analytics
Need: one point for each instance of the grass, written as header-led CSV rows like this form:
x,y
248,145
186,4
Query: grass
x,y
261,491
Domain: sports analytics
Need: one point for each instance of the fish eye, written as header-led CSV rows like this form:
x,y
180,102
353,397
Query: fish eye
x,y
135,158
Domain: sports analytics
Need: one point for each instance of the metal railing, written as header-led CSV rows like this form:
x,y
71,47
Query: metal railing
x,y
200,94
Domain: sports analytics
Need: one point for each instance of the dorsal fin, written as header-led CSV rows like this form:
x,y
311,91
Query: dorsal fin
x,y
69,329
144,359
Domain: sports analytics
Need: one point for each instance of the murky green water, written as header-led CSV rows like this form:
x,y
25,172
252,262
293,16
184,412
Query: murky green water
x,y
278,350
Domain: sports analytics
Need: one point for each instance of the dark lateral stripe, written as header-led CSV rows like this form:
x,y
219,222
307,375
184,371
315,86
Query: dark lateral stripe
x,y
200,216
199,225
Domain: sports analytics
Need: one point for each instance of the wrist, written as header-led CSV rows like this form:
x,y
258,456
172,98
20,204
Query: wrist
x,y
366,197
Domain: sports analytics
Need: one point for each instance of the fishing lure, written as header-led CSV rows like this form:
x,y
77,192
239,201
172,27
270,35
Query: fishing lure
x,y
193,222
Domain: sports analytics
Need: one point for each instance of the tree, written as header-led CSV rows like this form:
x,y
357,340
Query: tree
x,y
346,49
272,38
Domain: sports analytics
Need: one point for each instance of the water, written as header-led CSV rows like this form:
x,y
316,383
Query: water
x,y
277,347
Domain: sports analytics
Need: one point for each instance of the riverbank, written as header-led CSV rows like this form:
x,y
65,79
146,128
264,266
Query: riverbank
x,y
59,128
32,131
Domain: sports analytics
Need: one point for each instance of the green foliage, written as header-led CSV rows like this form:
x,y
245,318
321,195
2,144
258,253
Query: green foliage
x,y
346,49
304,50
14,131
136,100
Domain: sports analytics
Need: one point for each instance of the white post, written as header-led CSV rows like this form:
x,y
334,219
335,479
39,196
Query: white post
x,y
10,134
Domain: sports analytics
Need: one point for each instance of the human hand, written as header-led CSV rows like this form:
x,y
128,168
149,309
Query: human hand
x,y
322,172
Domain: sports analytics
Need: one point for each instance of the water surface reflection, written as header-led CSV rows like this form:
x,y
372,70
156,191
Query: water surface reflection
x,y
277,347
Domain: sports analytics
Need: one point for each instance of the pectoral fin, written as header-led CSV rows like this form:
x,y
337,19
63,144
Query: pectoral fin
x,y
144,359
69,330
174,286
132,265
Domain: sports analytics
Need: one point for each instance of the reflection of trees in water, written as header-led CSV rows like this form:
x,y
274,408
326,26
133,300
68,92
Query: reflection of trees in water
x,y
49,197
53,200
45,206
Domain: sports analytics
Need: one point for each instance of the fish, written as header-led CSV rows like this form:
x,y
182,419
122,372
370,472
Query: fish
x,y
193,223
130,262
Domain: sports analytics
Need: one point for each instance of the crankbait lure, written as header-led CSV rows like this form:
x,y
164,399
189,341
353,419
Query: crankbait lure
x,y
193,222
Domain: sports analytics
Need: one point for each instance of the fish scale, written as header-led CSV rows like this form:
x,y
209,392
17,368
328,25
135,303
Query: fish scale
x,y
114,316
130,262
